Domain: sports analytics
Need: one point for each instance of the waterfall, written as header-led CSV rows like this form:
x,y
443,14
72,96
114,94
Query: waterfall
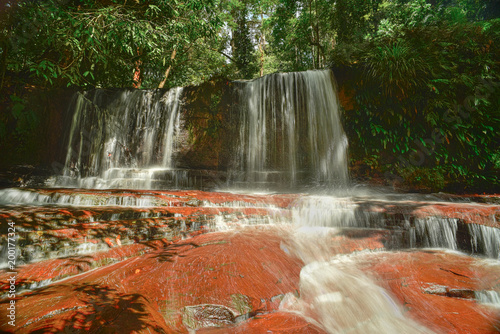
x,y
291,131
490,297
284,131
437,232
287,133
122,139
485,239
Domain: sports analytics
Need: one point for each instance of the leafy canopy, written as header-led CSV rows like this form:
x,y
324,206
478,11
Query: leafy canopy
x,y
100,43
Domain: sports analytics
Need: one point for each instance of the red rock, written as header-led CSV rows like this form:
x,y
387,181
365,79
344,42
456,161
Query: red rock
x,y
86,308
52,270
358,240
217,279
435,288
276,323
109,242
484,214
245,270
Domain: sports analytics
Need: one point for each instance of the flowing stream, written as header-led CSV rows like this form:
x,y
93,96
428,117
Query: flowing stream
x,y
289,133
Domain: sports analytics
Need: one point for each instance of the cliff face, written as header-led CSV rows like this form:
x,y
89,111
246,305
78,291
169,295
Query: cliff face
x,y
36,126
281,130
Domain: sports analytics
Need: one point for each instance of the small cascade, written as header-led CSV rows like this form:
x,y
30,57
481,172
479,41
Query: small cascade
x,y
38,198
489,297
335,293
437,232
340,298
485,240
291,131
329,211
123,139
308,211
433,231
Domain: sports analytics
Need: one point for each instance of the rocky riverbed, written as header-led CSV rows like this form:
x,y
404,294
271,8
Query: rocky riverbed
x,y
215,262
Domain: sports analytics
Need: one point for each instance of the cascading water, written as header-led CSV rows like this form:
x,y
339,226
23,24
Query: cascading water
x,y
291,131
338,296
289,136
123,139
289,126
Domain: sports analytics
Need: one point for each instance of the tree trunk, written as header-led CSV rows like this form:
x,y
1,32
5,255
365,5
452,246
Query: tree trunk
x,y
262,43
3,63
316,29
167,72
137,72
312,35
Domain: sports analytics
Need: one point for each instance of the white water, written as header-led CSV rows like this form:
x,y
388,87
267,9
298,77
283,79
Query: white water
x,y
485,238
340,298
31,197
316,211
489,297
437,232
335,294
291,132
123,140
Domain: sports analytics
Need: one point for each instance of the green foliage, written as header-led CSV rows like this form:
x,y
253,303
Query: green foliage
x,y
20,127
25,118
305,32
290,39
397,67
243,48
353,20
85,43
98,43
400,15
429,96
424,179
496,160
424,74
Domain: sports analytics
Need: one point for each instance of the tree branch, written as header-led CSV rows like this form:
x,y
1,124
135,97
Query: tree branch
x,y
222,53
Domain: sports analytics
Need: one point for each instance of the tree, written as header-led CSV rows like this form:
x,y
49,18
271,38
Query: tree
x,y
305,31
291,36
102,43
243,47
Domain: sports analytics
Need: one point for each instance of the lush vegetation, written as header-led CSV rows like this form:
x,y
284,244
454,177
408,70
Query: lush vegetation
x,y
419,78
426,89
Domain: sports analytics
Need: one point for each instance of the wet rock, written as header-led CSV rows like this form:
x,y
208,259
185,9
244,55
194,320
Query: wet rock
x,y
32,275
276,323
193,202
447,292
239,271
203,316
177,278
438,288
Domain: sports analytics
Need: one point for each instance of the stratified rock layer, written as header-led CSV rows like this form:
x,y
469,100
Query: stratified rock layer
x,y
212,280
111,266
